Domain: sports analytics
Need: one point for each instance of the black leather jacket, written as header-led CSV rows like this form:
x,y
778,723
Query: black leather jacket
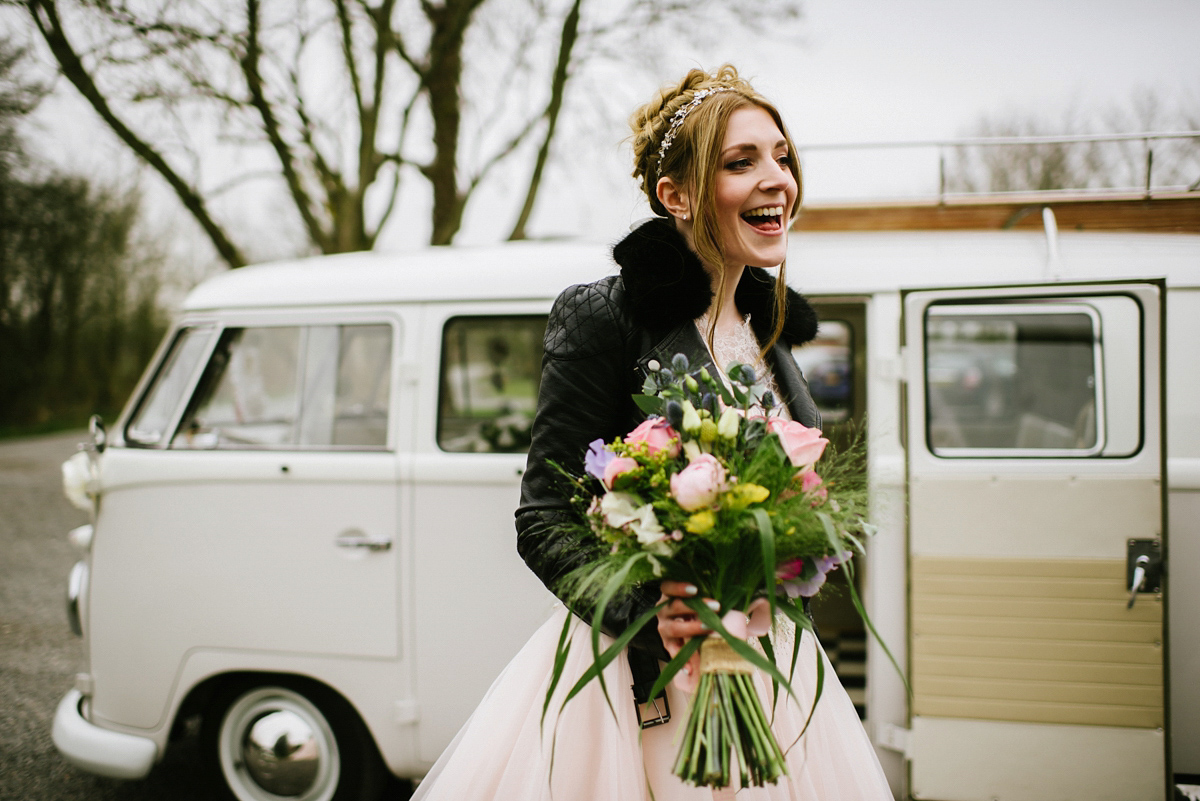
x,y
599,340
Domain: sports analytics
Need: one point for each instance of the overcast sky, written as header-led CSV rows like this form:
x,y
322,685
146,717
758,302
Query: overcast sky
x,y
863,70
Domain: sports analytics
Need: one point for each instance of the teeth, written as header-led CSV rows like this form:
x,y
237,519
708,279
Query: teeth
x,y
765,211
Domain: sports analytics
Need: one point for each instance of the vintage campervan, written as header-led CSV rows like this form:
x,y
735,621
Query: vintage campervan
x,y
319,468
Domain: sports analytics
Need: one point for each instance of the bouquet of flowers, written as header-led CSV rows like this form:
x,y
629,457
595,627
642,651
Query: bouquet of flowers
x,y
708,492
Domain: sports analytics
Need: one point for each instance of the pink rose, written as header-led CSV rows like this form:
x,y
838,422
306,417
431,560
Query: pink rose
x,y
697,485
803,445
810,483
657,434
617,467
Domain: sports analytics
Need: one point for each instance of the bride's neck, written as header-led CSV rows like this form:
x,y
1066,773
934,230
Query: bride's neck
x,y
726,312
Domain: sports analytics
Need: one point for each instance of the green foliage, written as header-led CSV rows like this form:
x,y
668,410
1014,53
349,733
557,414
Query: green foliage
x,y
79,316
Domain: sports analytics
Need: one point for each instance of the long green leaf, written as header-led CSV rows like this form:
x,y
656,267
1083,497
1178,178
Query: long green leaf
x,y
831,534
611,588
560,659
862,612
675,665
605,659
741,647
766,534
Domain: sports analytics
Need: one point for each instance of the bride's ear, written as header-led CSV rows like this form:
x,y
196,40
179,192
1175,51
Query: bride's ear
x,y
674,198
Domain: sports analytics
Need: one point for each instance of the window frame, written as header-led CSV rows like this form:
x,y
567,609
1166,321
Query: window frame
x,y
270,319
1022,307
443,327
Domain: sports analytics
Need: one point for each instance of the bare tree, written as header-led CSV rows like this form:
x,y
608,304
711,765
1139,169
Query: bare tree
x,y
1081,165
341,101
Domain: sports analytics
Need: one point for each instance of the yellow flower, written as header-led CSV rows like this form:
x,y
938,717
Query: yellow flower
x,y
701,522
740,496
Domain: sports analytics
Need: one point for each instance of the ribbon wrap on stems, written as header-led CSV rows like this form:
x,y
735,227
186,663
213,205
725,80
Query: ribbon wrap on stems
x,y
716,655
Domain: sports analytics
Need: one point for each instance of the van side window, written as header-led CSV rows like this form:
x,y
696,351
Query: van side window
x,y
491,368
1017,380
247,396
315,388
828,366
161,401
347,386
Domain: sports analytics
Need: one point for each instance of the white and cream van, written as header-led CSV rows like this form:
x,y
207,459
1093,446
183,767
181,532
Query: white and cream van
x,y
303,540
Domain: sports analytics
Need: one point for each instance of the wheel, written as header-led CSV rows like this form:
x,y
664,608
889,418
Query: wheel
x,y
289,739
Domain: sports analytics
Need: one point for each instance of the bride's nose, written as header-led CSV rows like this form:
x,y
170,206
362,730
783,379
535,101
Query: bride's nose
x,y
775,176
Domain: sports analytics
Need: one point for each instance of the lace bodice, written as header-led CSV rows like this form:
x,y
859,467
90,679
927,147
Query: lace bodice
x,y
741,345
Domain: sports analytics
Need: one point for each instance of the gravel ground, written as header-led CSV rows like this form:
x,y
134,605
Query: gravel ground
x,y
38,654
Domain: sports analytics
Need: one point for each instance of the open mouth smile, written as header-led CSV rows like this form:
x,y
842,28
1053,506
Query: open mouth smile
x,y
765,219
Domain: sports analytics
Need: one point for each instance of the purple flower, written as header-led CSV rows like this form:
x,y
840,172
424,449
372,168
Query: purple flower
x,y
597,458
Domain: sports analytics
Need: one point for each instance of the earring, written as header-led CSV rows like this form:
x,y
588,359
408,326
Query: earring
x,y
685,216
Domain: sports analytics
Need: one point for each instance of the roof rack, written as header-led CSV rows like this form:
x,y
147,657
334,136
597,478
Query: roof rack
x,y
1129,208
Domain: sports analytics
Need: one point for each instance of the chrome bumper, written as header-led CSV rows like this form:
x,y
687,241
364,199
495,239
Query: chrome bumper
x,y
97,750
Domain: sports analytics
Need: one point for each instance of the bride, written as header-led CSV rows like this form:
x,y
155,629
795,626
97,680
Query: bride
x,y
715,161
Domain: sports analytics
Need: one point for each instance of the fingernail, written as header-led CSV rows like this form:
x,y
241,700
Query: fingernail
x,y
712,604
690,589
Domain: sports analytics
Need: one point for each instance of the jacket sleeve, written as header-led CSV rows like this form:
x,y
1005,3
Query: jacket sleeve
x,y
584,395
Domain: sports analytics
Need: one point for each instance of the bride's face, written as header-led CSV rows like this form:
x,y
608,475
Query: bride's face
x,y
755,190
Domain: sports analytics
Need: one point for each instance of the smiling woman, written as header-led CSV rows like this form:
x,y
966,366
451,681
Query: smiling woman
x,y
714,159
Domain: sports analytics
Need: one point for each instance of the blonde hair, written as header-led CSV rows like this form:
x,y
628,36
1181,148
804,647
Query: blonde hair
x,y
693,158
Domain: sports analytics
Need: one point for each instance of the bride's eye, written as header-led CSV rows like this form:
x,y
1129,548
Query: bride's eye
x,y
739,164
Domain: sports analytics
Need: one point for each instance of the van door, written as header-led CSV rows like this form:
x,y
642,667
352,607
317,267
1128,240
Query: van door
x,y
252,509
474,601
1035,463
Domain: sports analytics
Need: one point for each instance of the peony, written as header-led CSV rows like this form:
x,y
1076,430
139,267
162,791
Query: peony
x,y
657,435
697,485
616,467
803,445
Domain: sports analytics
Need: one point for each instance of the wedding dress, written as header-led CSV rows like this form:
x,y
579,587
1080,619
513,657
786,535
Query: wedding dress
x,y
504,752
591,752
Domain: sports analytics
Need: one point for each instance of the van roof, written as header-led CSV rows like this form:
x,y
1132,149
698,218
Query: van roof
x,y
819,263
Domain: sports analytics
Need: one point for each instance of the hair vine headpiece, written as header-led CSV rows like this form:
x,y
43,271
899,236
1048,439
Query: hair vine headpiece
x,y
679,116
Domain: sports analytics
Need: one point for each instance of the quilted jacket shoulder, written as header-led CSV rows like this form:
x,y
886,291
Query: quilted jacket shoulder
x,y
588,319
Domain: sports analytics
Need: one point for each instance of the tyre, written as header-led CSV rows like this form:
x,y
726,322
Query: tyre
x,y
289,739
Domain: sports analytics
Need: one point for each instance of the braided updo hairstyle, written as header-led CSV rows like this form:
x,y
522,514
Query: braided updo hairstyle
x,y
693,159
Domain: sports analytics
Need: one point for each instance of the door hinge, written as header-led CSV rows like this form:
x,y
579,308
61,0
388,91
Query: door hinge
x,y
892,737
407,712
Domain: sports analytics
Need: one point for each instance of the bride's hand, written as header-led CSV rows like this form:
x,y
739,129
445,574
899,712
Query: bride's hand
x,y
677,623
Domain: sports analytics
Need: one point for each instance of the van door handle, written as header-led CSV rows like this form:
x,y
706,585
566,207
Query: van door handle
x,y
1139,578
355,538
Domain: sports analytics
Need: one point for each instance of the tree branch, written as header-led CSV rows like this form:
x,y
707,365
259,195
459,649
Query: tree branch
x,y
570,32
254,83
45,16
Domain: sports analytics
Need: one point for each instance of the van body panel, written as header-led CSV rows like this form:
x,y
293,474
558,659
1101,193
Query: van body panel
x,y
222,563
474,600
1017,565
969,760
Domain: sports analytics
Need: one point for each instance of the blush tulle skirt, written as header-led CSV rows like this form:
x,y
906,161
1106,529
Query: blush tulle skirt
x,y
504,753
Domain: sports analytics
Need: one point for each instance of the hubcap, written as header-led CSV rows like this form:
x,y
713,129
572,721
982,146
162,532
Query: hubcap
x,y
274,743
281,754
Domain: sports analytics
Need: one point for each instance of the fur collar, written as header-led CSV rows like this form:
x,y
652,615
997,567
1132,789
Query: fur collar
x,y
667,286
